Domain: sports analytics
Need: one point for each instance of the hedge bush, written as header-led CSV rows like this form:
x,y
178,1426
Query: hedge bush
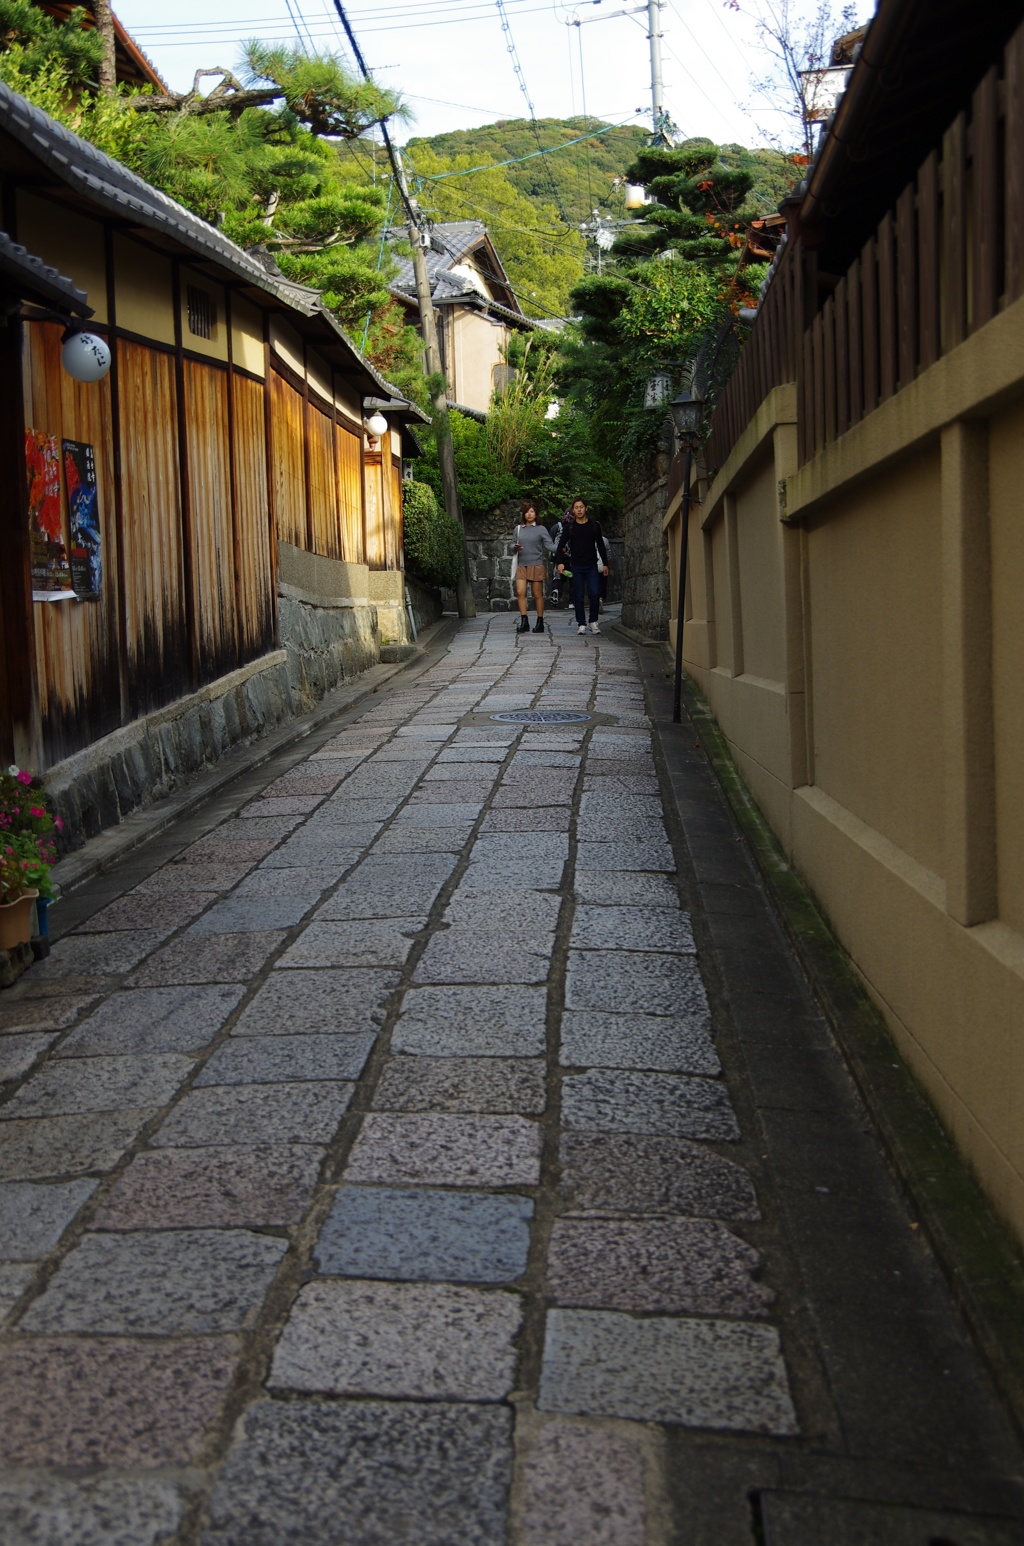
x,y
433,540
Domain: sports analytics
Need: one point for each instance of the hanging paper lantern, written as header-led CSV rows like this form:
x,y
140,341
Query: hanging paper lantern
x,y
86,357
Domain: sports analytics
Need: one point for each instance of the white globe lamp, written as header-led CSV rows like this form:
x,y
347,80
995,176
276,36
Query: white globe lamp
x,y
86,357
377,425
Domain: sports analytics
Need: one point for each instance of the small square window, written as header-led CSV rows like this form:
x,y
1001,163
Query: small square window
x,y
202,312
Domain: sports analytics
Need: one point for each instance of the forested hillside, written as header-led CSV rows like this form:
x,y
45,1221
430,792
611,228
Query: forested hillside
x,y
580,177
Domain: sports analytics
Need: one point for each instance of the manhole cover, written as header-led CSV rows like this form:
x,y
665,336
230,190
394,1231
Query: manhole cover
x,y
540,717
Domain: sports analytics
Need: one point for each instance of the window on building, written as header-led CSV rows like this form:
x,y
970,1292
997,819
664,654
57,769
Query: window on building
x,y
501,377
202,312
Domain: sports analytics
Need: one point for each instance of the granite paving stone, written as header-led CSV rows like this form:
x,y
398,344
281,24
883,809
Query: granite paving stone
x,y
439,814
97,1510
412,840
218,958
582,1486
518,909
625,888
15,1278
33,1218
631,1173
97,955
18,1053
443,776
420,1341
154,1020
537,819
314,1473
112,1401
324,842
538,759
625,1101
619,855
307,854
517,795
69,1145
255,1113
630,928
72,1086
358,942
247,915
147,912
286,1059
470,754
445,1150
246,1186
425,1234
665,1266
281,805
624,981
41,1014
464,954
520,847
249,829
302,781
698,1373
213,851
158,1283
299,1002
497,1085
607,827
353,901
671,1043
177,877
453,791
278,882
468,1022
486,879
345,809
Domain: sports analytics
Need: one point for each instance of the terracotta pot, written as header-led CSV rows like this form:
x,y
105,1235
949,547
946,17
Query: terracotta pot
x,y
16,921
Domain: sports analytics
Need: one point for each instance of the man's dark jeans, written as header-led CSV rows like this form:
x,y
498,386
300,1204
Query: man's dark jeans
x,y
585,583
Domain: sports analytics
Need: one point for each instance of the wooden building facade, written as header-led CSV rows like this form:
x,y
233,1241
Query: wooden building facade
x,y
231,423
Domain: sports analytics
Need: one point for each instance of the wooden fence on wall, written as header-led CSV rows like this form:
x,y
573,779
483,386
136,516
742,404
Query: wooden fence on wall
x,y
187,481
940,265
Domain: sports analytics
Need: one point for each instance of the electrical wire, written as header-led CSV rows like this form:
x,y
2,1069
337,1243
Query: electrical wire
x,y
511,45
699,44
515,160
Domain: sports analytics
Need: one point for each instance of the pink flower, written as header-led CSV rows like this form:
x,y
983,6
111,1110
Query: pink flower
x,y
24,778
59,824
36,810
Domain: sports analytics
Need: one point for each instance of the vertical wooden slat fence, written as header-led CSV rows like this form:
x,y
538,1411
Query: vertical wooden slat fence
x,y
941,264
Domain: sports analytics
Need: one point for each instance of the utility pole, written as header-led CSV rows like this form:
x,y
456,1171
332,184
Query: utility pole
x,y
419,235
661,124
104,18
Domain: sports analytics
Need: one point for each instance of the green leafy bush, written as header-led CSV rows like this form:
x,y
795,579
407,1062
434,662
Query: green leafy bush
x,y
433,540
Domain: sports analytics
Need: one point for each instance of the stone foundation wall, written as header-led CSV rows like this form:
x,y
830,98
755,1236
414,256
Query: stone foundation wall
x,y
646,598
333,618
489,546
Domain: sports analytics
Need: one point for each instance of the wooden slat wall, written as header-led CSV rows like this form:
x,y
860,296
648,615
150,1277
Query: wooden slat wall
x,y
153,561
941,264
213,554
76,641
375,548
348,453
287,410
255,578
323,485
394,530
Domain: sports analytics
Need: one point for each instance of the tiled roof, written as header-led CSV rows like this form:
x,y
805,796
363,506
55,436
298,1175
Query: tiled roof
x,y
450,241
119,192
34,279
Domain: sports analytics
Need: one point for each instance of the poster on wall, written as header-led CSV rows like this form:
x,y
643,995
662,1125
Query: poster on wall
x,y
51,572
83,508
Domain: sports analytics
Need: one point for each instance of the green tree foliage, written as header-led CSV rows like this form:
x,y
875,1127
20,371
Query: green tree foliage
x,y
700,205
432,539
586,176
41,42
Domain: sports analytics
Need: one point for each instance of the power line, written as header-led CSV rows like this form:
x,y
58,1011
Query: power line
x,y
548,150
511,45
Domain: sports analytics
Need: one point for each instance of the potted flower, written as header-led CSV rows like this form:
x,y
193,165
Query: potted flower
x,y
27,849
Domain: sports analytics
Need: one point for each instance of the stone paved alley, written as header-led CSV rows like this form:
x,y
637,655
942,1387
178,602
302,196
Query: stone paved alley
x,y
431,1139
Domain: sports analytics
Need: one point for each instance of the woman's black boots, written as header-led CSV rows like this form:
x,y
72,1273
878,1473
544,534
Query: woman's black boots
x,y
524,624
538,626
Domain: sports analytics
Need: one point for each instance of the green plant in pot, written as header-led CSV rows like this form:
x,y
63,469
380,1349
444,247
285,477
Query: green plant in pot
x,y
27,853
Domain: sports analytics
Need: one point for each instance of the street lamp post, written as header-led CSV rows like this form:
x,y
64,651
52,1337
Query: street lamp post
x,y
688,415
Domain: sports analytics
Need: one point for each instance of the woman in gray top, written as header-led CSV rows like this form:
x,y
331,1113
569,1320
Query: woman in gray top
x,y
530,543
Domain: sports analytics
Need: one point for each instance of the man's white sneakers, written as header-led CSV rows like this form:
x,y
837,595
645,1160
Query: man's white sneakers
x,y
582,628
593,628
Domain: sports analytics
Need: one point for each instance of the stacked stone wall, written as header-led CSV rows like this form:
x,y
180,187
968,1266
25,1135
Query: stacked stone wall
x,y
646,596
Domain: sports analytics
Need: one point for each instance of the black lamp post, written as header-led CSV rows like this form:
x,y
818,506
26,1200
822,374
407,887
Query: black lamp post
x,y
688,416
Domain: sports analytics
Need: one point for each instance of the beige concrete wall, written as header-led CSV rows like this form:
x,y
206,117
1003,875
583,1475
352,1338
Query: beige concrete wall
x,y
857,626
247,336
474,349
68,242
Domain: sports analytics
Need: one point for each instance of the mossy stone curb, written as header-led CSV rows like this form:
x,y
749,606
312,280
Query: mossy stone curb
x,y
978,1256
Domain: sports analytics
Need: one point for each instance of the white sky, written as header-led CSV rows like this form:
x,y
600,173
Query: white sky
x,y
449,58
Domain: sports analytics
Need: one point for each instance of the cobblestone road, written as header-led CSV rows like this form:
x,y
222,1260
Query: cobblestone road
x,y
369,1175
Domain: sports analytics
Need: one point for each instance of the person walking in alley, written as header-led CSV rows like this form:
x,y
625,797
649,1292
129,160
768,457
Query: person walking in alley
x,y
530,543
584,551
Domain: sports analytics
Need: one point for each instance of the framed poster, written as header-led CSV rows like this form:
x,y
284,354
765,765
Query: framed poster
x,y
51,572
83,509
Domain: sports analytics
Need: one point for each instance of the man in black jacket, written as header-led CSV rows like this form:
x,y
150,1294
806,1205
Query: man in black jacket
x,y
583,549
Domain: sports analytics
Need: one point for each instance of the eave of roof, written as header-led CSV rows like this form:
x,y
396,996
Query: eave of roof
x,y
33,280
103,183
